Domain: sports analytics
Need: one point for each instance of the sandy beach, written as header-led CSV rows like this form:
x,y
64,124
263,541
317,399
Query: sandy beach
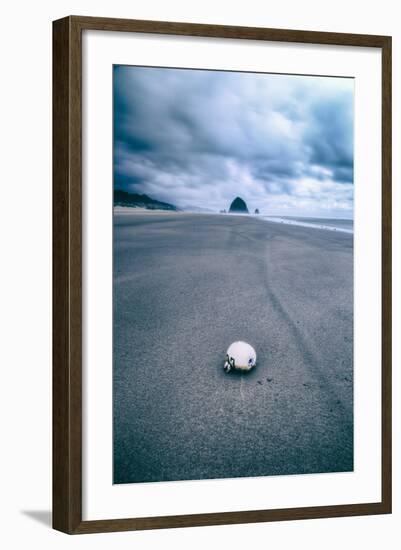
x,y
185,287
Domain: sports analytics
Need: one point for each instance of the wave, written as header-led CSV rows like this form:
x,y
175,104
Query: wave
x,y
329,224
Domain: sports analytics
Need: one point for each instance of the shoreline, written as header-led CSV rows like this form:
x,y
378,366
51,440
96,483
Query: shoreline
x,y
276,219
128,210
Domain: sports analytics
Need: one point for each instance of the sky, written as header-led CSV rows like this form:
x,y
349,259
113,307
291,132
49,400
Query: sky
x,y
199,138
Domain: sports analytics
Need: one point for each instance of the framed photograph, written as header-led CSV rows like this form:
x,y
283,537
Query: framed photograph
x,y
222,274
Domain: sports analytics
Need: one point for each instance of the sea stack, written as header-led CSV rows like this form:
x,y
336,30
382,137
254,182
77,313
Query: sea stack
x,y
238,205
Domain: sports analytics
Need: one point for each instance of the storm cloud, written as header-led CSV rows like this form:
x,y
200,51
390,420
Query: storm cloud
x,y
199,138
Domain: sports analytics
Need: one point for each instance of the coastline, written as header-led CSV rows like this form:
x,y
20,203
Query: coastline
x,y
331,224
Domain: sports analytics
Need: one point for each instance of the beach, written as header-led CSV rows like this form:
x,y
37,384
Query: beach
x,y
188,285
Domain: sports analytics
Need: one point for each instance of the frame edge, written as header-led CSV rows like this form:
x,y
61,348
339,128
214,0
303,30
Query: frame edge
x,y
228,31
66,398
67,275
386,274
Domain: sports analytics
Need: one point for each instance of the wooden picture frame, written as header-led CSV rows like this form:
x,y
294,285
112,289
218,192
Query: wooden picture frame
x,y
67,273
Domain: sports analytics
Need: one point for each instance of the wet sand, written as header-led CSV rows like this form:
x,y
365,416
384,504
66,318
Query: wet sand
x,y
185,287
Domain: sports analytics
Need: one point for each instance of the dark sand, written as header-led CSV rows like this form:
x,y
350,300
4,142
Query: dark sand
x,y
185,287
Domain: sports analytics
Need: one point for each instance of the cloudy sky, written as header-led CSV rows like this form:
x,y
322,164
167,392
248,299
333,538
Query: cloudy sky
x,y
284,143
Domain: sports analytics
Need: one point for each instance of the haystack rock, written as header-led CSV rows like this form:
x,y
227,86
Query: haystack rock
x,y
239,205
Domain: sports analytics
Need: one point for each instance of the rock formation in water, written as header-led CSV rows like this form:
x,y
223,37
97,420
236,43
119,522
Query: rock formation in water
x,y
239,205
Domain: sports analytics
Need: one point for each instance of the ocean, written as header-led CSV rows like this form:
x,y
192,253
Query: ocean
x,y
332,224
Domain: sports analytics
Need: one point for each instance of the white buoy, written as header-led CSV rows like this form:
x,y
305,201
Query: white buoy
x,y
240,356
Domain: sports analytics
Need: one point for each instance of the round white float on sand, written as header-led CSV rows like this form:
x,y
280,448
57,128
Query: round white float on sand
x,y
240,356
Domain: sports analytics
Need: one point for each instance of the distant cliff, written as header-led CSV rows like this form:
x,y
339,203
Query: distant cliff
x,y
238,205
123,198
